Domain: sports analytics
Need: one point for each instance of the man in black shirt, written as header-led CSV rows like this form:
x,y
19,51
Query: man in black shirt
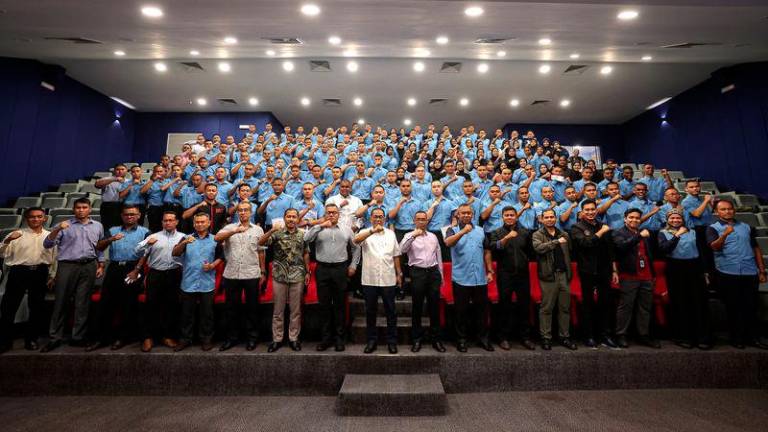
x,y
215,211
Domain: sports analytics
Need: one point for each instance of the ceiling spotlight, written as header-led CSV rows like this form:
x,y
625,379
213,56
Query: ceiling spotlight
x,y
253,101
545,41
606,70
442,40
464,102
482,67
119,53
361,121
224,67
565,103
271,53
628,15
544,69
202,101
647,58
161,67
418,67
230,40
411,101
352,66
334,40
305,101
501,53
575,56
194,53
473,11
152,11
407,122
357,101
514,102
310,9
288,66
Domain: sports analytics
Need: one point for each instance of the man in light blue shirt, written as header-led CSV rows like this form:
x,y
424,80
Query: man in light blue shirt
x,y
276,205
656,185
648,207
613,207
493,206
567,212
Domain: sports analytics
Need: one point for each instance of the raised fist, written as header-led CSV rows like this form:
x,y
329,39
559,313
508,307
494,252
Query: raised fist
x,y
64,225
151,240
645,233
13,236
118,236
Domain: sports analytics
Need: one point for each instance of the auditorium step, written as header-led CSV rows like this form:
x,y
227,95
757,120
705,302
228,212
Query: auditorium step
x,y
391,395
402,307
403,329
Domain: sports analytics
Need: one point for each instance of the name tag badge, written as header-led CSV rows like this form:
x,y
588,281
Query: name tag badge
x,y
642,263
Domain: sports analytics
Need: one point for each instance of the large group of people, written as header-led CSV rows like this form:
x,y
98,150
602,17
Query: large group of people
x,y
378,213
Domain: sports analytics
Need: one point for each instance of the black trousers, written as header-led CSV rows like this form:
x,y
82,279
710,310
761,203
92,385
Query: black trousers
x,y
445,251
117,296
514,315
331,293
239,315
110,214
155,218
161,315
596,316
387,294
426,286
740,294
478,295
404,267
688,298
23,280
200,303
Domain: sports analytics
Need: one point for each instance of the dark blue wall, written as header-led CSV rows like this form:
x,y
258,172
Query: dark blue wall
x,y
49,137
607,137
152,129
709,134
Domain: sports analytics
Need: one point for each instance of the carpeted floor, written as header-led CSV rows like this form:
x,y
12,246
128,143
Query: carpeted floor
x,y
617,410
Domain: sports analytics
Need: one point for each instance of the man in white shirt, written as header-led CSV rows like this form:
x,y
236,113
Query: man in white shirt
x,y
31,268
348,204
381,274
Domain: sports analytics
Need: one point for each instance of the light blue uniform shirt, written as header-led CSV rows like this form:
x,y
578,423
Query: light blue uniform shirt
x,y
391,195
737,256
561,209
159,255
421,191
367,216
441,215
686,246
536,187
661,216
278,206
190,196
404,219
527,219
125,248
134,196
614,216
316,212
194,278
455,189
495,220
293,187
468,266
691,203
362,187
222,196
656,187
155,193
646,206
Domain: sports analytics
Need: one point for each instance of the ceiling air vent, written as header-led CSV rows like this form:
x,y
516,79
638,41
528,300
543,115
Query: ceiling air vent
x,y
284,40
450,67
77,40
492,40
319,66
438,101
691,44
227,101
192,66
575,69
332,102
540,102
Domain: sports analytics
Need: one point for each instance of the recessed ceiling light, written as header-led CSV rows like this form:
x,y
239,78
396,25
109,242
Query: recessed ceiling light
x,y
544,69
514,102
119,53
224,67
482,67
288,66
357,101
310,9
407,122
473,11
565,103
230,40
352,66
202,101
501,53
575,56
628,15
647,58
194,53
253,101
464,102
411,101
152,11
442,40
361,121
545,41
606,70
305,101
271,53
418,67
349,52
161,67
334,40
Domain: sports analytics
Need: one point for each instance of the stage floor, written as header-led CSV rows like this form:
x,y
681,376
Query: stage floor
x,y
625,411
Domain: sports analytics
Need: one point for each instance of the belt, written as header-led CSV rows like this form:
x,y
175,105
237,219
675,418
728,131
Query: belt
x,y
343,263
425,269
30,267
80,261
124,263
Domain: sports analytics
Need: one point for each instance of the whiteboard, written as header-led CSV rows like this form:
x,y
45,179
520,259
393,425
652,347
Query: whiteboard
x,y
177,140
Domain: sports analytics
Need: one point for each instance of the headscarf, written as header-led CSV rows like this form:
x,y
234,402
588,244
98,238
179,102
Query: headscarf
x,y
674,211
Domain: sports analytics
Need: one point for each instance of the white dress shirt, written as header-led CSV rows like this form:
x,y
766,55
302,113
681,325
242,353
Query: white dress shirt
x,y
379,252
347,213
159,255
242,252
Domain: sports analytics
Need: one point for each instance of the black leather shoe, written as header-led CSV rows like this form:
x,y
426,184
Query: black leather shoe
x,y
50,346
486,345
118,344
182,345
610,343
251,345
461,347
705,346
31,345
621,342
206,346
322,346
370,347
504,344
759,344
392,348
528,344
274,346
416,347
684,344
438,346
568,344
227,345
649,342
590,343
339,347
94,346
295,345
400,294
546,345
738,345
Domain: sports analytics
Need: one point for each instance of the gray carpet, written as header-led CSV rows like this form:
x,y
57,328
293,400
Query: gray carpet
x,y
625,411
